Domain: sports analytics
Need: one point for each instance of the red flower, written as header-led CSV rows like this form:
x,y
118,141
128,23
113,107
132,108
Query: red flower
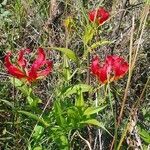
x,y
21,70
98,15
114,68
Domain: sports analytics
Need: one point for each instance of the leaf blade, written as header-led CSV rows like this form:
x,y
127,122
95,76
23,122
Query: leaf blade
x,y
68,52
35,117
93,110
74,89
96,123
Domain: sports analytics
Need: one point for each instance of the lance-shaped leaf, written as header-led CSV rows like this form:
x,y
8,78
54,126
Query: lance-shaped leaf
x,y
144,134
68,52
7,103
95,45
35,117
88,34
93,110
96,123
76,88
20,85
99,43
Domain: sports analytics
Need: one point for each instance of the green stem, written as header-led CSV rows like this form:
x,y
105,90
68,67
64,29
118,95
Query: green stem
x,y
88,70
66,63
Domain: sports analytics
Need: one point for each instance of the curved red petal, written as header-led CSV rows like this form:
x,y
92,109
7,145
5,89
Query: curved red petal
x,y
95,66
32,75
21,60
113,64
12,69
102,74
111,60
98,71
92,15
103,15
40,60
99,15
120,69
119,65
46,71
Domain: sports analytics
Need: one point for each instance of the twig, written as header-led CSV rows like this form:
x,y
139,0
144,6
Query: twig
x,y
142,94
130,72
72,137
99,131
132,65
95,143
132,109
88,144
119,24
128,83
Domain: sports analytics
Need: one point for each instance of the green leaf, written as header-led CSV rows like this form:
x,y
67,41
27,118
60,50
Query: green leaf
x,y
96,123
92,121
7,103
58,113
38,148
145,135
147,2
20,85
27,91
35,117
93,110
88,34
97,44
66,68
30,100
72,112
64,141
74,116
33,100
147,116
68,52
76,88
80,99
38,130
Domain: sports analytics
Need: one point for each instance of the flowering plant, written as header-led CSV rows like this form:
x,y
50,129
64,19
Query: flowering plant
x,y
22,71
99,15
114,67
76,102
